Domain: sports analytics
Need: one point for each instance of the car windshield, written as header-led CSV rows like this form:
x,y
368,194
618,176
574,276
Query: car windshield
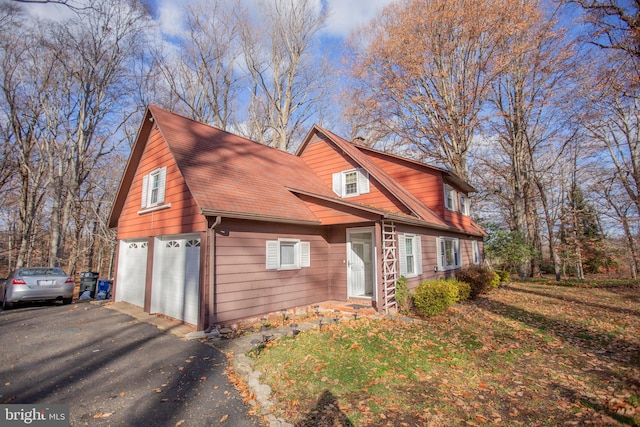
x,y
48,271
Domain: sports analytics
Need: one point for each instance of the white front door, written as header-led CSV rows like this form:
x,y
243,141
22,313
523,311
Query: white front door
x,y
360,262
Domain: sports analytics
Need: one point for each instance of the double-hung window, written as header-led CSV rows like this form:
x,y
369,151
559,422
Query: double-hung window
x,y
450,198
410,255
464,205
153,188
287,254
475,248
351,183
448,253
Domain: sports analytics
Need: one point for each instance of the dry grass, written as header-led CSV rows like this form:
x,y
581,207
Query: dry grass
x,y
529,354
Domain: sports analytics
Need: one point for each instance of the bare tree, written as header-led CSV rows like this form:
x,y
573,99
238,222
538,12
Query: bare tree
x,y
623,210
97,50
27,73
529,122
287,83
205,76
615,24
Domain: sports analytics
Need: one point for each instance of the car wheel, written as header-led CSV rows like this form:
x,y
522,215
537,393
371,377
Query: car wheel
x,y
66,301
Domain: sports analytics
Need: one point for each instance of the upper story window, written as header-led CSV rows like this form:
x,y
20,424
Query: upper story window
x,y
450,198
153,188
351,183
464,204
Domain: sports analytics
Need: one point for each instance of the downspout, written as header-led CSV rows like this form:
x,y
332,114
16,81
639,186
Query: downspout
x,y
212,271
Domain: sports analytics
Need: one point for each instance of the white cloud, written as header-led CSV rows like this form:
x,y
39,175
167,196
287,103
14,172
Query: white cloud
x,y
49,11
346,16
170,17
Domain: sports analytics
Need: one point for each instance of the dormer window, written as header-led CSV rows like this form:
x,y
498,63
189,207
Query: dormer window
x,y
450,198
351,183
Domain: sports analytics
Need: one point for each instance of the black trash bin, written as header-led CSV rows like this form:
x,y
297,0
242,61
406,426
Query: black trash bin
x,y
88,282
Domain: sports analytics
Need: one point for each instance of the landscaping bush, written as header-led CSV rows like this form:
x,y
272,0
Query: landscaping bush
x,y
403,295
481,279
464,290
504,275
434,296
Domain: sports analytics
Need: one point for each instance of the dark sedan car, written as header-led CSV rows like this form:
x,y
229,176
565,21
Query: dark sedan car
x,y
37,284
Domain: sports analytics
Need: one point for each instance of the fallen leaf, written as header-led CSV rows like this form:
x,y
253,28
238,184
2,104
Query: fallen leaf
x,y
158,390
122,393
179,423
203,378
224,418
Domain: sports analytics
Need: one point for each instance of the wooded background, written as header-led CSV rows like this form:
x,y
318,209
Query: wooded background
x,y
536,103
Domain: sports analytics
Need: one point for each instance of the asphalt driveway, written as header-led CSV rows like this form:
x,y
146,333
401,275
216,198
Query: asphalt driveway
x,y
113,370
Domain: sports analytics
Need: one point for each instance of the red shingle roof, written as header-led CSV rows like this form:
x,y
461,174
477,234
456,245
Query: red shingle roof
x,y
229,174
233,176
416,206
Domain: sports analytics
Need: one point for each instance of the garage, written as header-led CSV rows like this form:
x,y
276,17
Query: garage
x,y
176,277
132,272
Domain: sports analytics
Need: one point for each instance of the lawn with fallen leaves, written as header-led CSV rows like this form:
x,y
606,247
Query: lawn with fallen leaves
x,y
528,354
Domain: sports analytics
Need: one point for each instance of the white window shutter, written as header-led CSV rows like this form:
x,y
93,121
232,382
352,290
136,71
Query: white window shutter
x,y
363,181
440,250
402,255
305,254
337,183
418,254
145,187
162,180
273,252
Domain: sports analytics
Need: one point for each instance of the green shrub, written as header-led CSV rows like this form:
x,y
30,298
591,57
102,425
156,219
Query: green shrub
x,y
403,295
464,290
434,296
504,275
481,279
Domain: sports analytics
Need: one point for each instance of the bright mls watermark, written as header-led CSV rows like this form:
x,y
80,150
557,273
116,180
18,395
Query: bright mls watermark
x,y
34,415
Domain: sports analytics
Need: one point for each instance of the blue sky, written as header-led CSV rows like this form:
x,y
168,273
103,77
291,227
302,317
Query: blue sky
x,y
345,15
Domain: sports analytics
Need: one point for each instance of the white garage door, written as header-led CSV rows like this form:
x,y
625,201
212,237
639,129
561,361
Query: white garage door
x,y
176,274
132,272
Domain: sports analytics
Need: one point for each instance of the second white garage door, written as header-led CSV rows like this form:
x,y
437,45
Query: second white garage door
x,y
176,273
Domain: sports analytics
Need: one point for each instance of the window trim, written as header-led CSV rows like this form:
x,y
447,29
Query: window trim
x,y
416,249
457,255
339,182
301,254
449,190
464,204
148,191
475,252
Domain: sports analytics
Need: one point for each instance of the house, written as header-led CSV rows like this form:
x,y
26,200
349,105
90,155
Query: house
x,y
213,227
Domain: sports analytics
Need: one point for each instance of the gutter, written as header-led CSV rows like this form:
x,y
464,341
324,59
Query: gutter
x,y
257,217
